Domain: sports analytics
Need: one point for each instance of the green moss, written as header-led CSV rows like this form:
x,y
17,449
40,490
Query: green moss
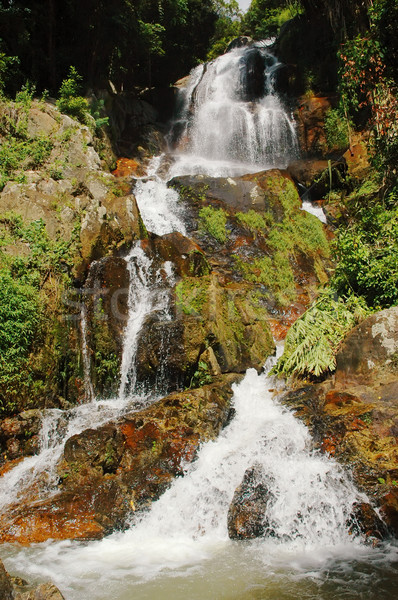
x,y
275,273
254,220
214,220
302,232
192,295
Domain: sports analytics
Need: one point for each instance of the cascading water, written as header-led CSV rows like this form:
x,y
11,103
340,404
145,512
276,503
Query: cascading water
x,y
232,121
36,476
147,295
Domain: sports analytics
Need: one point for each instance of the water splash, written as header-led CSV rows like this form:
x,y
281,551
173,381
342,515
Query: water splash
x,y
159,205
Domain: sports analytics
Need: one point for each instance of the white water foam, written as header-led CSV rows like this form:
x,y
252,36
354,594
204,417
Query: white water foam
x,y
223,135
315,210
311,501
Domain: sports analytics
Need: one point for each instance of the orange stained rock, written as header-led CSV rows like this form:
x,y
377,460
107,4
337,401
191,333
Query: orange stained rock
x,y
128,167
10,465
38,526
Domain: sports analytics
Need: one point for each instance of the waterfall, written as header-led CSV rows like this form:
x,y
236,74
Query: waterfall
x,y
147,294
88,386
231,119
229,124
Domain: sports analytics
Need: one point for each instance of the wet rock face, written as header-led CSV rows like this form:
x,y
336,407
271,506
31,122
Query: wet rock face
x,y
353,415
246,514
105,296
252,75
310,118
10,586
111,473
6,589
19,434
365,520
227,320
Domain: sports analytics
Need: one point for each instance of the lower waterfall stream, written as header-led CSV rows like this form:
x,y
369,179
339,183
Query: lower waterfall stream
x,y
180,548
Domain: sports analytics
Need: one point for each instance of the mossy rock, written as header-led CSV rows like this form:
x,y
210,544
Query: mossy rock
x,y
229,319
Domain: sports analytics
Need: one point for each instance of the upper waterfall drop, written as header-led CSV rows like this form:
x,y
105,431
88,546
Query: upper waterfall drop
x,y
231,119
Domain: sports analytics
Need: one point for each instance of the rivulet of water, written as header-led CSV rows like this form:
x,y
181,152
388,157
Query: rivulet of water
x,y
147,294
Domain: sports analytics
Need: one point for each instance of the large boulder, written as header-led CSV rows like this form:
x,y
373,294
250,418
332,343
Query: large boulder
x,y
105,296
310,117
6,589
109,474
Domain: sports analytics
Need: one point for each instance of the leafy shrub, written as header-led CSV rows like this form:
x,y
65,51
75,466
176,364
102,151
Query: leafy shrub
x,y
20,319
312,341
214,220
69,101
366,252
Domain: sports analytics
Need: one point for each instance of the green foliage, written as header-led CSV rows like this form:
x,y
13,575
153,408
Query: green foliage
x,y
20,322
264,18
97,110
201,376
19,151
312,341
26,320
254,220
366,252
6,64
69,101
214,220
337,130
227,28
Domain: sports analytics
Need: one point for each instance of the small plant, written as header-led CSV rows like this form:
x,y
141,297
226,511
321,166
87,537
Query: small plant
x,y
214,220
201,376
69,101
336,129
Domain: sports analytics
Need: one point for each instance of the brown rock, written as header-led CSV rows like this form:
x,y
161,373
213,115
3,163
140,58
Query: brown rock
x,y
44,591
365,520
310,118
6,589
120,468
370,346
314,175
106,298
187,257
226,319
128,167
246,514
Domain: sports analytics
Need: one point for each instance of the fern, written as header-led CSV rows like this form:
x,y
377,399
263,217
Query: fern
x,y
312,341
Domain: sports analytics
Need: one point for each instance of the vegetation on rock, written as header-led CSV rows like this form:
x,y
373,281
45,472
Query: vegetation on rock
x,y
313,340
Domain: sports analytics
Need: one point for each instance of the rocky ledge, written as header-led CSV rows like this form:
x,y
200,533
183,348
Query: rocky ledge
x,y
108,475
